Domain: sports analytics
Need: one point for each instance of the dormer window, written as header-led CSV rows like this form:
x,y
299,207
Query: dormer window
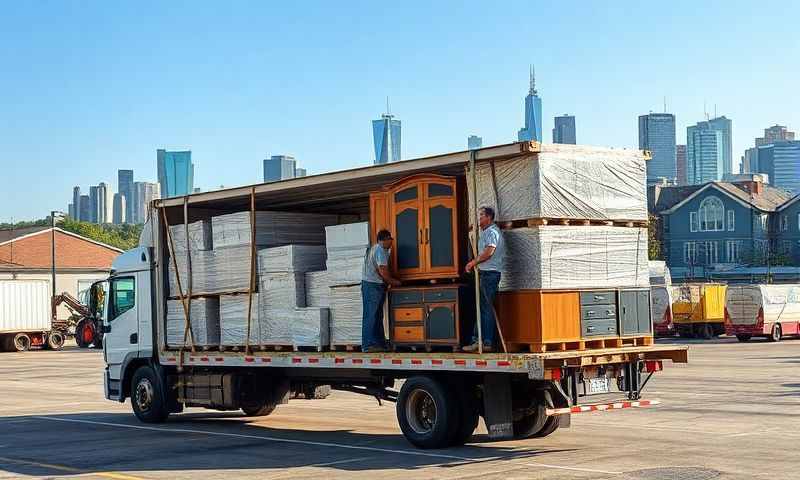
x,y
711,215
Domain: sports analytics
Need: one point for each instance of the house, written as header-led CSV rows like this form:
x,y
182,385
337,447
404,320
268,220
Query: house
x,y
26,254
718,228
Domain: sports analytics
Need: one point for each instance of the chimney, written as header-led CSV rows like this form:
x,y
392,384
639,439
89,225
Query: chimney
x,y
754,186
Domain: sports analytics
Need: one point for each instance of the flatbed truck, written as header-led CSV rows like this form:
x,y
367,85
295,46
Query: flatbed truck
x,y
442,395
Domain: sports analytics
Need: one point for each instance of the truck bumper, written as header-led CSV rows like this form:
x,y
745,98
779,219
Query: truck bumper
x,y
112,388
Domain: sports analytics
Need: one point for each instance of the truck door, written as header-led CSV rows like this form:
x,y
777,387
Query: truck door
x,y
120,323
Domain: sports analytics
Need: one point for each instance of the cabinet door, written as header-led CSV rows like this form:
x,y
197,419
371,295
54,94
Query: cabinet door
x,y
645,319
439,239
441,321
406,212
628,313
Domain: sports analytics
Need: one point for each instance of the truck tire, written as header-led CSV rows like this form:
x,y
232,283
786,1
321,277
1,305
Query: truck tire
x,y
258,409
743,337
20,342
550,425
427,412
147,397
468,416
55,340
529,425
776,334
80,335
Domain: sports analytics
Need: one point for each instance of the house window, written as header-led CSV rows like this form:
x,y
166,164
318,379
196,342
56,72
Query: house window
x,y
731,221
710,249
734,250
763,221
786,247
711,214
692,221
784,223
689,253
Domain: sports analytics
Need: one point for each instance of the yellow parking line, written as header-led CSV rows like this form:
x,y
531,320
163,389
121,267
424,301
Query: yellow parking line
x,y
63,468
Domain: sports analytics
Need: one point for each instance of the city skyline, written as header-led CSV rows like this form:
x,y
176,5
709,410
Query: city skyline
x,y
179,95
564,129
532,131
657,134
387,138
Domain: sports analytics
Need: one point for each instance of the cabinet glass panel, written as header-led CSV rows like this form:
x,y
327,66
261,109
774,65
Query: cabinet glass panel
x,y
439,190
441,236
407,228
404,195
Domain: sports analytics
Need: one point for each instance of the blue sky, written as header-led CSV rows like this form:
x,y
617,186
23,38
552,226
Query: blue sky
x,y
90,87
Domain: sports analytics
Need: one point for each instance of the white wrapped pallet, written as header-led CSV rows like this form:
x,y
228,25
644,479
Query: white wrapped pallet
x,y
345,271
291,258
565,181
199,236
233,320
347,236
347,247
295,327
570,257
346,315
202,272
204,316
318,286
272,228
281,290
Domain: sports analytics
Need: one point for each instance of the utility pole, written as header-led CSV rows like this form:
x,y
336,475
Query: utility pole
x,y
53,260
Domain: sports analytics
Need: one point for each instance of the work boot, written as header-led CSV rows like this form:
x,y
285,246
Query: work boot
x,y
470,348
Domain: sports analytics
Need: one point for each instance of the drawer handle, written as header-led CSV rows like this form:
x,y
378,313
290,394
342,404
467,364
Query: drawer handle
x,y
598,297
590,313
590,328
609,311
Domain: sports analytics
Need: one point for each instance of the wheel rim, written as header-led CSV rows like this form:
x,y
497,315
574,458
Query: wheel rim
x,y
144,394
776,332
87,334
22,342
56,339
421,412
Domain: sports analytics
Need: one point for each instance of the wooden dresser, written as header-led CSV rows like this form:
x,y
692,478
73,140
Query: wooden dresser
x,y
426,316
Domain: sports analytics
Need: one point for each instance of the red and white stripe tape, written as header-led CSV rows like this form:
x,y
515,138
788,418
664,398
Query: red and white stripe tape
x,y
602,407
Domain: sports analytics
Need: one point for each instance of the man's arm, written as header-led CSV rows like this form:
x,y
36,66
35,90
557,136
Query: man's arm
x,y
486,254
383,271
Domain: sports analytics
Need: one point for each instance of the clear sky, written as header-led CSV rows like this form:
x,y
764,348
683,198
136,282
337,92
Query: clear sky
x,y
93,86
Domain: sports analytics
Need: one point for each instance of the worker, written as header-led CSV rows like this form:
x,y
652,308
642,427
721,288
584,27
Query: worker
x,y
489,261
375,277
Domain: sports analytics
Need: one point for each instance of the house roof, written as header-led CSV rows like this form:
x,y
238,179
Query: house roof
x,y
672,198
11,234
789,202
29,232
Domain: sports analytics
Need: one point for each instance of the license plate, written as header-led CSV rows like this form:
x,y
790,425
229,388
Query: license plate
x,y
598,385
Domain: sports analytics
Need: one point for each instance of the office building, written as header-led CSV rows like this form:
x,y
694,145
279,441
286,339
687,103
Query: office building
x,y
474,142
564,129
71,211
657,134
300,172
93,201
119,208
386,138
704,154
84,208
724,126
680,165
532,131
780,161
279,167
125,188
143,194
773,134
103,203
76,203
175,173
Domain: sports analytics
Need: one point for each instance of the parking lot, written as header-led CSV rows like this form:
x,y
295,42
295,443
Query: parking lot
x,y
733,412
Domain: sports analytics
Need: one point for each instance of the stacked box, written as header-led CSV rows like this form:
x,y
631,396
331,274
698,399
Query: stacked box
x,y
204,315
199,243
298,327
272,228
202,272
346,314
281,290
318,286
233,320
291,258
565,181
200,237
574,257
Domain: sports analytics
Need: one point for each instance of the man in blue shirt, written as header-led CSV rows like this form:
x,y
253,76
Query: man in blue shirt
x,y
491,250
374,279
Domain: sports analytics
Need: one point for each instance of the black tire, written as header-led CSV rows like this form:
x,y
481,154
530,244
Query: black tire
x,y
550,425
20,342
468,415
258,409
427,412
55,340
529,425
79,335
776,334
743,337
147,396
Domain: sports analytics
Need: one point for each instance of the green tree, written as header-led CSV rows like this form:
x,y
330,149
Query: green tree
x,y
123,236
654,238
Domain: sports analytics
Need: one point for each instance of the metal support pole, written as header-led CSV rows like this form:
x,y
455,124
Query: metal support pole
x,y
475,233
53,262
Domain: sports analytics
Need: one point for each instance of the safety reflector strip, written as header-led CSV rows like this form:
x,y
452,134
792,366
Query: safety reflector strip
x,y
602,407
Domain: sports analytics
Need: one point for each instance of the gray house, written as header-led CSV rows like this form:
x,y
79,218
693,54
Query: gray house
x,y
717,229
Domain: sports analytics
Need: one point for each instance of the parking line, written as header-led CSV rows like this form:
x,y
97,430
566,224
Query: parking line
x,y
414,453
63,468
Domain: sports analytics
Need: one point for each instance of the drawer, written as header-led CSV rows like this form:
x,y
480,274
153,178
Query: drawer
x,y
400,297
599,328
409,334
408,314
589,312
432,296
598,298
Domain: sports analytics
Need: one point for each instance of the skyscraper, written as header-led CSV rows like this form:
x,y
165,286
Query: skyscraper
x,y
93,204
175,173
780,160
775,133
474,142
143,194
84,208
125,188
279,167
532,131
725,127
76,202
564,129
704,154
300,172
102,203
386,137
657,134
680,164
119,208
71,211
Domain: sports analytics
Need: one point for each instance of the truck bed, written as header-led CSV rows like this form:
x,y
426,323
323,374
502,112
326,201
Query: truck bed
x,y
538,366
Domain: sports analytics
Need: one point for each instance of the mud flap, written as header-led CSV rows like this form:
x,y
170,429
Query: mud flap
x,y
497,406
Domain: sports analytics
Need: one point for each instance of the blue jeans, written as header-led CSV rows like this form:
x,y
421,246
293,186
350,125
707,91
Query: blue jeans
x,y
489,280
372,295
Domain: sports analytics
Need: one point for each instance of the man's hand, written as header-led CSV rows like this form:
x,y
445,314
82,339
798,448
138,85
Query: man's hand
x,y
470,265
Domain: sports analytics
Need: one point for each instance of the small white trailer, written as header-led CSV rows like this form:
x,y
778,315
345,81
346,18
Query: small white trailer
x,y
25,316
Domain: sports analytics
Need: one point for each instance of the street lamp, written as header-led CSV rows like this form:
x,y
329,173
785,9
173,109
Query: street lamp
x,y
53,257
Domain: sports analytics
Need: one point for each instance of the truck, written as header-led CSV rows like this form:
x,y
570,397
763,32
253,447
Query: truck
x,y
25,316
698,310
441,394
771,311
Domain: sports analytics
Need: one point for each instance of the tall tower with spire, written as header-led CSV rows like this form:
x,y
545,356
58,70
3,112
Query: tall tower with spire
x,y
386,137
532,131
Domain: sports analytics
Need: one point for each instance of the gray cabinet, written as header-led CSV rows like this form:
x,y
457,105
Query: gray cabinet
x,y
598,314
634,312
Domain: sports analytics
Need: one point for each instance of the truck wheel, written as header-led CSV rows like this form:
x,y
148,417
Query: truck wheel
x,y
147,398
426,412
20,342
55,340
550,425
776,334
468,416
531,424
81,333
743,337
258,409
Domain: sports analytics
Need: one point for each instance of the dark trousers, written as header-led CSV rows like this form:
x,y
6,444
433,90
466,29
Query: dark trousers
x,y
372,295
489,280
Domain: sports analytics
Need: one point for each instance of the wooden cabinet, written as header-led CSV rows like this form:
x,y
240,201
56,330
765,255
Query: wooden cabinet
x,y
421,213
425,316
533,317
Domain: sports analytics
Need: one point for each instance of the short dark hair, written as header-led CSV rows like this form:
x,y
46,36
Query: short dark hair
x,y
384,235
489,211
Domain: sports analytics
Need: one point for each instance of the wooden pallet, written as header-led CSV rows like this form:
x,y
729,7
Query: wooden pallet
x,y
346,348
579,345
537,222
638,341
